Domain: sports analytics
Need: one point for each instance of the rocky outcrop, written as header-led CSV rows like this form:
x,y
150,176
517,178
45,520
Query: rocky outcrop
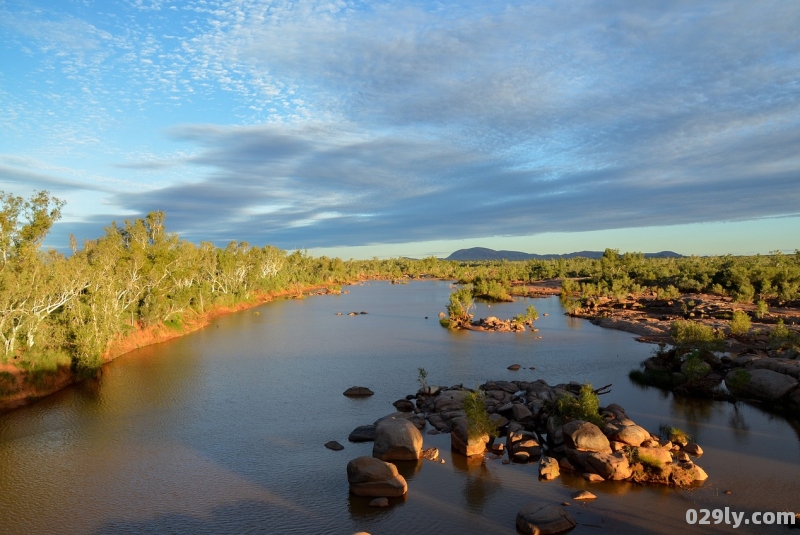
x,y
369,476
548,468
397,440
362,433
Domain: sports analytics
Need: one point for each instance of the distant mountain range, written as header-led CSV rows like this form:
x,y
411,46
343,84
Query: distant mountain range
x,y
482,253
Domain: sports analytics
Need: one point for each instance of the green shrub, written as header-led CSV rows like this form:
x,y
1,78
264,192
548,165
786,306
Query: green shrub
x,y
761,309
478,418
695,367
422,374
780,336
740,323
585,407
460,306
690,334
8,383
670,292
738,381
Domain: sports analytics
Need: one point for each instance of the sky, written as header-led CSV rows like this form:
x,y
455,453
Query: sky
x,y
410,128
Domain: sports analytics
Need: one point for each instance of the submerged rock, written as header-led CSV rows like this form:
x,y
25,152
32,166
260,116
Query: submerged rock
x,y
358,391
541,518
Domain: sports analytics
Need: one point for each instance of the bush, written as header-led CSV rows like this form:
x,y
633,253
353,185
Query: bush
x,y
670,292
478,418
691,335
460,306
738,381
740,323
585,407
761,309
695,367
780,336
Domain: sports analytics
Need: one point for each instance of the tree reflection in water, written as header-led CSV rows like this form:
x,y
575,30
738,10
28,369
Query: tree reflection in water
x,y
479,483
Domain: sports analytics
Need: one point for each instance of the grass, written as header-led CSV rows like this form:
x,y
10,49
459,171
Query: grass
x,y
690,334
674,434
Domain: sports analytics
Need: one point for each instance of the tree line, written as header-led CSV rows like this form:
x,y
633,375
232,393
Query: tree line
x,y
66,310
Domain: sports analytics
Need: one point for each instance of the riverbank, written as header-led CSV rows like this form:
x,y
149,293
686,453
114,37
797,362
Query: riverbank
x,y
20,387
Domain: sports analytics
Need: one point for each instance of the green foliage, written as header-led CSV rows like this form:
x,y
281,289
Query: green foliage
x,y
738,380
761,309
740,323
8,383
693,335
477,417
781,336
695,368
585,407
649,462
670,292
460,306
422,375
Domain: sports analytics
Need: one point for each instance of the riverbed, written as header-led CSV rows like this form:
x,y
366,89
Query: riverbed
x,y
222,431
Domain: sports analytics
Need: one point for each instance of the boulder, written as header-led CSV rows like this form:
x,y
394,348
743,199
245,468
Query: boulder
x,y
593,478
632,435
450,400
693,449
333,445
520,412
461,442
358,391
548,468
514,367
416,419
369,476
403,405
658,454
608,465
541,518
362,433
397,440
760,383
583,495
522,446
585,436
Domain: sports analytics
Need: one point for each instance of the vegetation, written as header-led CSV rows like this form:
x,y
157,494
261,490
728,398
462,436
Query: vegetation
x,y
691,335
740,323
738,381
585,407
675,435
781,336
460,307
530,315
477,417
422,375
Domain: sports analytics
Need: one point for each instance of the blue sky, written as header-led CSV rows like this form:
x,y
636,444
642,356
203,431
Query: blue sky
x,y
411,128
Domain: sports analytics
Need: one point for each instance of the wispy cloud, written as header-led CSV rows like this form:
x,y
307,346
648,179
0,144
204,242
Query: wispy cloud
x,y
343,123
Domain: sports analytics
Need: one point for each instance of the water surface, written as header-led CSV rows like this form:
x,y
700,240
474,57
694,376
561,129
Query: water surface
x,y
222,431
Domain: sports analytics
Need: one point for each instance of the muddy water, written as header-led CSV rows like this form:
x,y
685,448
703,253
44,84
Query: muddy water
x,y
221,431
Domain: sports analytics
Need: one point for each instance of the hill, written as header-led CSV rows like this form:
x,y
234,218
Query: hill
x,y
482,253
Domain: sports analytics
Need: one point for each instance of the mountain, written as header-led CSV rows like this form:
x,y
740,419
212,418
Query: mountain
x,y
482,253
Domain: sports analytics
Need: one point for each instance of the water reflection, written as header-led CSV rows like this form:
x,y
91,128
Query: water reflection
x,y
479,484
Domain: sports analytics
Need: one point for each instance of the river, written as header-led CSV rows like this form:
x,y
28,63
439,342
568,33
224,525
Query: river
x,y
222,430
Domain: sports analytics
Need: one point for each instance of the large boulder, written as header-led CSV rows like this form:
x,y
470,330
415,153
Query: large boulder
x,y
369,476
461,442
632,435
397,440
450,400
661,455
760,384
541,518
585,436
416,419
608,465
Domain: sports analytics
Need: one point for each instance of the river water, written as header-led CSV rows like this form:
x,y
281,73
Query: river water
x,y
222,431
